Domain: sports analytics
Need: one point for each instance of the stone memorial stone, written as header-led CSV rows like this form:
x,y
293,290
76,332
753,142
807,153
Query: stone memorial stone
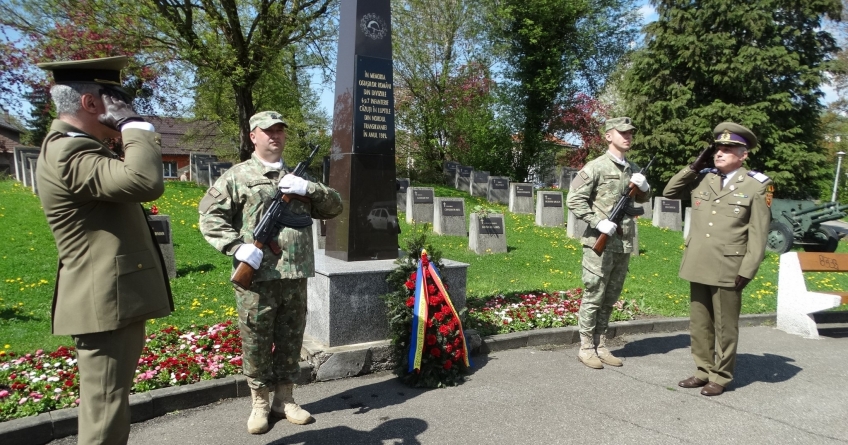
x,y
479,183
161,226
216,169
649,208
668,214
18,155
566,175
402,186
319,233
463,178
521,198
419,205
549,209
33,161
498,189
635,251
487,233
449,170
201,170
449,216
687,217
194,158
575,226
27,171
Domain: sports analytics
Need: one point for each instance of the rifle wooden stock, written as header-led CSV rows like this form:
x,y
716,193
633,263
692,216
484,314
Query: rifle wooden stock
x,y
243,275
601,242
598,248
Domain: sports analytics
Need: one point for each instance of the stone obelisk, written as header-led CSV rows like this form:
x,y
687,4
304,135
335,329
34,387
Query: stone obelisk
x,y
363,152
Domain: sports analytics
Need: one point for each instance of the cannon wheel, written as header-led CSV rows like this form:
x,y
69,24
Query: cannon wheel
x,y
826,238
780,238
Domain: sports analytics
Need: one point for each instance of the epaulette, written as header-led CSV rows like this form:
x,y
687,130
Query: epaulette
x,y
758,176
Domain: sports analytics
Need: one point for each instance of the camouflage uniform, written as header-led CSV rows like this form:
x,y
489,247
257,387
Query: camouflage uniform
x,y
592,196
272,315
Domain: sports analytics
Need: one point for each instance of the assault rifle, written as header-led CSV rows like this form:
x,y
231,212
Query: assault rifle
x,y
620,209
277,217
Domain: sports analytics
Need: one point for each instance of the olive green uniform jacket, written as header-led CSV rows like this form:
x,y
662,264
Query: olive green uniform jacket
x,y
111,273
729,226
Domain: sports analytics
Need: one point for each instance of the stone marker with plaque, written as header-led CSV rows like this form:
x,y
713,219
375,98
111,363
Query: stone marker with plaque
x,y
687,218
498,189
26,171
449,170
463,178
486,233
668,213
549,209
566,175
479,183
521,197
216,169
419,205
18,154
449,216
161,226
402,186
575,227
33,162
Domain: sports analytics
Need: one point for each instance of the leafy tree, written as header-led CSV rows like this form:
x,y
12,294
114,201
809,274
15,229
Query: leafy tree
x,y
583,119
759,63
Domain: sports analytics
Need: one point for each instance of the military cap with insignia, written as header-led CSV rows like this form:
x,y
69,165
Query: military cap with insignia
x,y
619,123
729,133
265,119
104,71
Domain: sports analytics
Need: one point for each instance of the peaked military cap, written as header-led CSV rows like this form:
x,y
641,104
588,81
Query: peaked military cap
x,y
105,70
265,119
729,133
619,123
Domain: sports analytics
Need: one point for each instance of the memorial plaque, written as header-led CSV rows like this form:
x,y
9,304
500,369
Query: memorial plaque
x,y
402,185
552,200
497,189
524,191
449,171
465,172
500,184
479,183
422,196
362,157
491,225
18,154
162,230
453,208
670,206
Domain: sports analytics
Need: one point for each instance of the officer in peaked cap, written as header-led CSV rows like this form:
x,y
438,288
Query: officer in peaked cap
x,y
726,244
107,287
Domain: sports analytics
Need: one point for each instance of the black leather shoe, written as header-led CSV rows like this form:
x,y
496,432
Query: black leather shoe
x,y
692,382
712,389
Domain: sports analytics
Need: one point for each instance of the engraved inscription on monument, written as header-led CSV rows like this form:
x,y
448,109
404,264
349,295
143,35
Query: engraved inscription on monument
x,y
500,184
524,190
552,200
422,196
161,230
491,225
374,119
452,208
465,172
670,206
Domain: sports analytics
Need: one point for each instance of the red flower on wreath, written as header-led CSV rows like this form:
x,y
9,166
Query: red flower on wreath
x,y
447,364
431,340
439,316
431,289
413,276
436,352
410,302
444,329
410,285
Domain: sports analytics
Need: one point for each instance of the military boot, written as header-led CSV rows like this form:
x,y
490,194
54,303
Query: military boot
x,y
257,423
587,354
605,355
284,406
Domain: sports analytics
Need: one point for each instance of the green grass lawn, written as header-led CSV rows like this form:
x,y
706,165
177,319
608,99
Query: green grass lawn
x,y
539,259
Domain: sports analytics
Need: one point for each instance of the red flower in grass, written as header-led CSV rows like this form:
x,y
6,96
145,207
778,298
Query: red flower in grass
x,y
410,302
436,352
448,364
431,340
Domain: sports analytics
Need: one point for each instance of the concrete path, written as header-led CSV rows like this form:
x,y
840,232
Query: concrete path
x,y
787,390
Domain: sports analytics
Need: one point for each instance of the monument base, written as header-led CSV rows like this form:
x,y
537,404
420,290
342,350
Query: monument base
x,y
344,305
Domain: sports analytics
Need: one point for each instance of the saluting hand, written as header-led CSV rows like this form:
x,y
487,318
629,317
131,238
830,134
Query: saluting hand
x,y
117,113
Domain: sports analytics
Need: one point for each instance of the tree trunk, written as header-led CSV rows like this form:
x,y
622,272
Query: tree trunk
x,y
245,109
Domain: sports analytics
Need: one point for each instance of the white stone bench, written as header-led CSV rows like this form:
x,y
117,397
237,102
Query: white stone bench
x,y
796,304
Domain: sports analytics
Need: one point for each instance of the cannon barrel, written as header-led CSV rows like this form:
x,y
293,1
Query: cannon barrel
x,y
812,209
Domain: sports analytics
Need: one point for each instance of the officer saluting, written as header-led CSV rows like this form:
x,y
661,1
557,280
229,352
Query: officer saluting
x,y
111,276
724,249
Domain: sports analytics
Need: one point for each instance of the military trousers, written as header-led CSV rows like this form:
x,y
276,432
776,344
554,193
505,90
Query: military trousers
x,y
272,318
603,280
107,362
714,331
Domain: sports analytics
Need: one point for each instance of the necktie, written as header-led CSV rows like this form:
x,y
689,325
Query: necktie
x,y
721,184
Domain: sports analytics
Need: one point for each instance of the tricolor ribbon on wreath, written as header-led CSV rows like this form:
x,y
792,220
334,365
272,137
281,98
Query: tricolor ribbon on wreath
x,y
425,296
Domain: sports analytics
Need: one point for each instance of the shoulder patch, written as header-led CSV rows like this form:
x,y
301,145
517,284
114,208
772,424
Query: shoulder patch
x,y
212,196
758,176
584,175
581,178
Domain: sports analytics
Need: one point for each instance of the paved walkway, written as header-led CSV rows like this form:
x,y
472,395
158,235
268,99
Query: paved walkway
x,y
788,390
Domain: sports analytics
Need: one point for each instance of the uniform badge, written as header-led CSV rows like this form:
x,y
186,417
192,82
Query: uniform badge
x,y
769,194
736,210
697,203
732,188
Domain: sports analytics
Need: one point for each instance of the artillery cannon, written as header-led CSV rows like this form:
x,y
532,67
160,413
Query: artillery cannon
x,y
798,223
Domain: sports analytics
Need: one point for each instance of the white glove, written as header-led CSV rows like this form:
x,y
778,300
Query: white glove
x,y
640,181
606,226
250,254
293,184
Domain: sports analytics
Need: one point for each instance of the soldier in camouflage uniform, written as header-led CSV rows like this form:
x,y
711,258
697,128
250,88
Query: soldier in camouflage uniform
x,y
272,314
592,196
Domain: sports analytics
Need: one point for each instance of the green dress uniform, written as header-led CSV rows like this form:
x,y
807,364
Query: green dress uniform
x,y
727,238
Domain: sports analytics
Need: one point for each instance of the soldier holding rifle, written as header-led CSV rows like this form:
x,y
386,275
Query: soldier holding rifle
x,y
594,193
272,312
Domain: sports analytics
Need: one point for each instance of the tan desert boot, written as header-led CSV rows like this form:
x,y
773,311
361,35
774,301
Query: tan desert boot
x,y
284,406
257,423
605,355
587,354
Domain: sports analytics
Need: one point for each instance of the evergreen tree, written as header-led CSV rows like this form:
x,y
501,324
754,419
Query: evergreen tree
x,y
758,63
41,115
